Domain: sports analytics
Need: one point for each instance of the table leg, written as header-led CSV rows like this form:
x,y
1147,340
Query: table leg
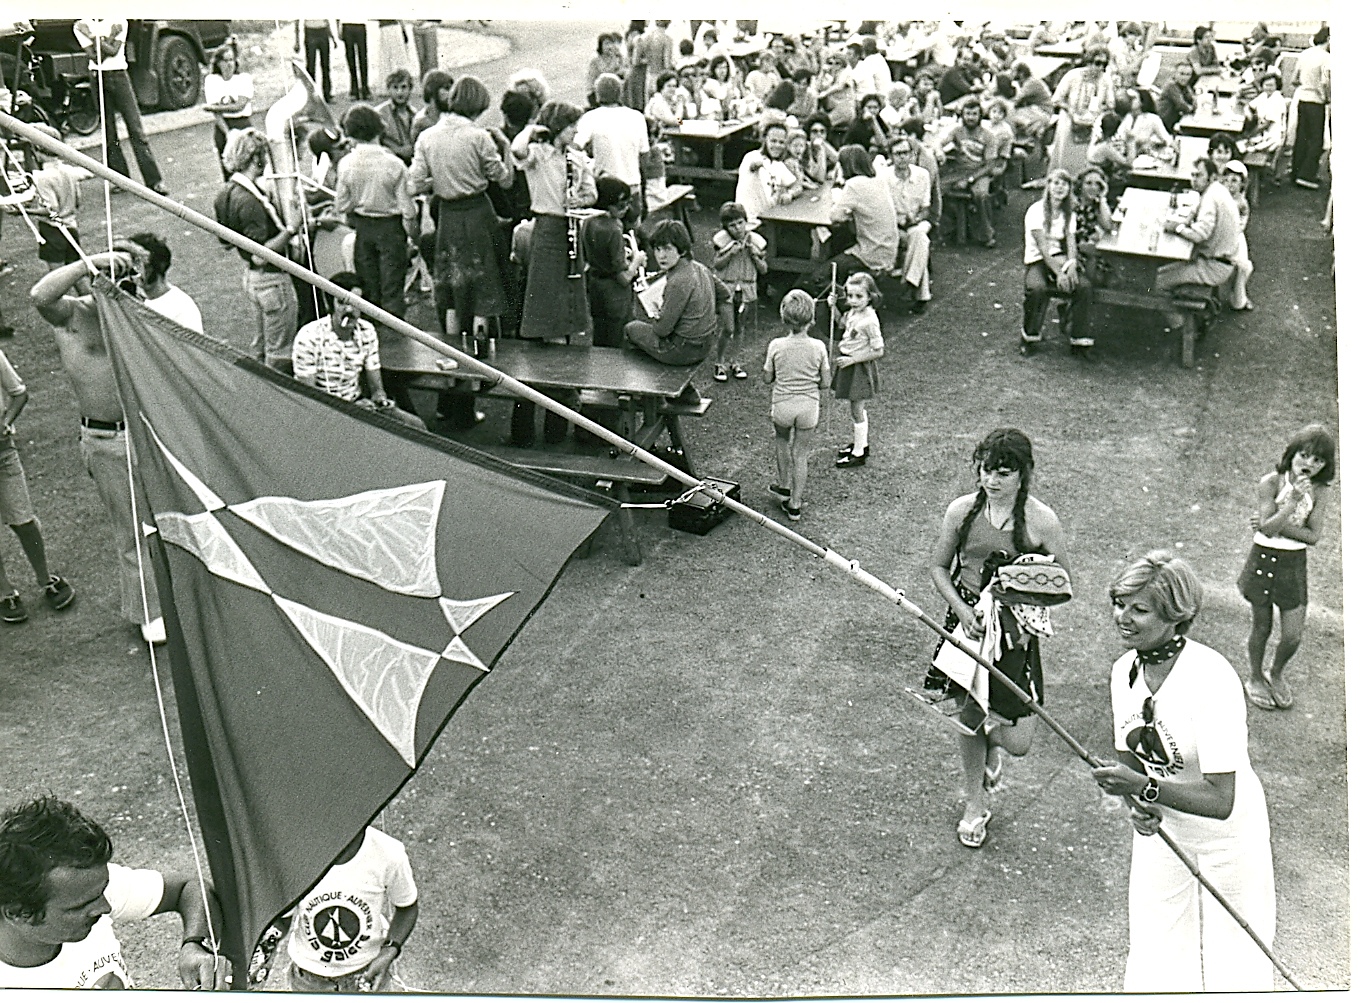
x,y
627,527
718,155
678,441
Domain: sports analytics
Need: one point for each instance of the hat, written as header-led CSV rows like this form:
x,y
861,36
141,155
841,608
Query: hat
x,y
1236,166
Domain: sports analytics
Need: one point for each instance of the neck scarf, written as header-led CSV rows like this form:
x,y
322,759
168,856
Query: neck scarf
x,y
1156,656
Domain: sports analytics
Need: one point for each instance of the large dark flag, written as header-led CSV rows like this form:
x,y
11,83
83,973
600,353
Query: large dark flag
x,y
334,584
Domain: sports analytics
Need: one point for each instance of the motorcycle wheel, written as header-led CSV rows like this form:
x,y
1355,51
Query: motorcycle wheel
x,y
82,116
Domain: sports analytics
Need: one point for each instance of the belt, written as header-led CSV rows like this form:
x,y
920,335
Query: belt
x,y
463,199
103,426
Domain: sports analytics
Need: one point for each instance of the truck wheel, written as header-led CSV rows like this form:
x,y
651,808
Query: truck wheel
x,y
177,70
82,116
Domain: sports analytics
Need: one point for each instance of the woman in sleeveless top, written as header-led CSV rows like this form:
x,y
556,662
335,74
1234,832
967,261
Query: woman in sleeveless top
x,y
983,530
1290,504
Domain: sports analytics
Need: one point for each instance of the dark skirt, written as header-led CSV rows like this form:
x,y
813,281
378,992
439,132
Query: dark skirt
x,y
554,305
1021,664
857,382
469,258
1272,576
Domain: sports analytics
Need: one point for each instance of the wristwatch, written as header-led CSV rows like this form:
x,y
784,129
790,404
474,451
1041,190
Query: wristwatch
x,y
1151,792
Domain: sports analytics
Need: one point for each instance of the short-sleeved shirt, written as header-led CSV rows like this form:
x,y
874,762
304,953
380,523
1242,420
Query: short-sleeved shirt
x,y
216,89
870,205
617,139
238,209
109,28
740,268
341,924
1058,229
179,306
973,146
798,364
97,961
336,364
59,186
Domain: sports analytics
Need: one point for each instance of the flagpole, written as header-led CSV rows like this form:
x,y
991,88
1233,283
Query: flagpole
x,y
481,370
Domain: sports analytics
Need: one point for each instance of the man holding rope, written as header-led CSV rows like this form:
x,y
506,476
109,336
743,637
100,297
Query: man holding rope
x,y
103,430
59,896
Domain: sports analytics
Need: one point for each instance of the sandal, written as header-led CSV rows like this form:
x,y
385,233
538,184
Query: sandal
x,y
991,776
973,834
1280,693
1259,694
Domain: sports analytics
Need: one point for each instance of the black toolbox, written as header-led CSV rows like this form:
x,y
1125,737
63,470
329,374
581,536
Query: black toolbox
x,y
701,512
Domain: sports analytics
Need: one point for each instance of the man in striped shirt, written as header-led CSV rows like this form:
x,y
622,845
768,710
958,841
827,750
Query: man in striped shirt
x,y
332,353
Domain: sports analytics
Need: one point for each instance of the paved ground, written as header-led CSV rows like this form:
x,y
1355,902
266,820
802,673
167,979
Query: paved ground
x,y
702,775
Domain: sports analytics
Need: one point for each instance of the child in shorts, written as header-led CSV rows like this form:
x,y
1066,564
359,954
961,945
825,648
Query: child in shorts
x,y
16,508
58,185
798,366
738,259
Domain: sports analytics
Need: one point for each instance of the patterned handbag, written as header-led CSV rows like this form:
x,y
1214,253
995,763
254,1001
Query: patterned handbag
x,y
1034,580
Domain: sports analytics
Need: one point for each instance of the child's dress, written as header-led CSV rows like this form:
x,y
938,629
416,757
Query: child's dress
x,y
859,381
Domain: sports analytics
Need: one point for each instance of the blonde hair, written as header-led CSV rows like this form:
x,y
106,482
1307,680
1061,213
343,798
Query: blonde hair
x,y
797,309
242,147
1171,585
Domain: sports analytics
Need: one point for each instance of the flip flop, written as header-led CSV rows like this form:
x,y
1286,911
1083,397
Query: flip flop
x,y
1281,693
991,777
973,834
1259,695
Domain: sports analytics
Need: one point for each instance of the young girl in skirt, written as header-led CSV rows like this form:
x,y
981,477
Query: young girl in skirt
x,y
1291,501
856,363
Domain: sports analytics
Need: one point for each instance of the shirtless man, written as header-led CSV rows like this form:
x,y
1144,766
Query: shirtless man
x,y
103,430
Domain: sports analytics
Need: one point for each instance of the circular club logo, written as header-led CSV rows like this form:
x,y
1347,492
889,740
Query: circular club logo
x,y
337,927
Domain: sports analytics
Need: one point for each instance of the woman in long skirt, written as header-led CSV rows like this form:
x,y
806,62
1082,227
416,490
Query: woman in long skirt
x,y
1083,96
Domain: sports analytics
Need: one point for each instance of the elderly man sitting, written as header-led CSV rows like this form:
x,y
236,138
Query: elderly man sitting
x,y
910,185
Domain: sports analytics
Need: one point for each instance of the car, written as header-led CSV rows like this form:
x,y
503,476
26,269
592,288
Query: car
x,y
164,57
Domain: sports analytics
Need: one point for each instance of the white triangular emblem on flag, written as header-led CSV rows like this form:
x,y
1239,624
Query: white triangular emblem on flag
x,y
206,495
208,540
385,536
383,676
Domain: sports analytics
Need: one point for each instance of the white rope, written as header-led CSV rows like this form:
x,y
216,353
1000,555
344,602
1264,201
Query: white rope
x,y
213,943
51,211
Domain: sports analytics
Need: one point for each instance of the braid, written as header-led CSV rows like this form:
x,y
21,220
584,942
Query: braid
x,y
979,500
1019,532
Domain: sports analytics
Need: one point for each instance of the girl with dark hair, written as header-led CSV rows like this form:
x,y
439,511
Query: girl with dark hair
x,y
1291,503
560,180
868,129
821,155
982,531
1180,738
1143,131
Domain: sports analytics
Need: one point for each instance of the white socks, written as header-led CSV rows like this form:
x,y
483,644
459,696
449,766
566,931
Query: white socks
x,y
861,435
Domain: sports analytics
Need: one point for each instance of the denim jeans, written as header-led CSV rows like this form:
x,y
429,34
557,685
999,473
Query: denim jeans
x,y
119,97
106,460
275,302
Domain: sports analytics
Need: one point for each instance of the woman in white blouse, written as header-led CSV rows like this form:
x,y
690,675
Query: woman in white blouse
x,y
227,93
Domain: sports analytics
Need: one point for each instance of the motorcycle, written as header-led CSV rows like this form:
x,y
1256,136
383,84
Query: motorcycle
x,y
44,88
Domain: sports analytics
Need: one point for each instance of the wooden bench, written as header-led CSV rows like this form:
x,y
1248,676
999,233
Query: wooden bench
x,y
675,203
1188,310
612,475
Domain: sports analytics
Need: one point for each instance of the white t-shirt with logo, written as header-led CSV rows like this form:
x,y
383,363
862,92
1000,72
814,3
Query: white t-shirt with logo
x,y
1057,233
97,961
340,925
1200,723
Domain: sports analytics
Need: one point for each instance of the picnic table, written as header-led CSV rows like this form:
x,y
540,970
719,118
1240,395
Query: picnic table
x,y
1207,123
1133,253
645,394
792,243
1168,177
1071,49
709,141
673,203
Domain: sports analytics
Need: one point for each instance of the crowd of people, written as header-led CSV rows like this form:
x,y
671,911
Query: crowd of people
x,y
536,228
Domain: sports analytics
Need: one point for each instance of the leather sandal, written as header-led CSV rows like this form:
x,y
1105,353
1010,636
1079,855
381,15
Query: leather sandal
x,y
1258,694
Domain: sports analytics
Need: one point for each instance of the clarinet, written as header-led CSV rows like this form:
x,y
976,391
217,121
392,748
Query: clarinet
x,y
573,229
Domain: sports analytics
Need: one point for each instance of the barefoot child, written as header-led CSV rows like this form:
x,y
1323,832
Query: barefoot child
x,y
1291,501
798,366
856,364
738,258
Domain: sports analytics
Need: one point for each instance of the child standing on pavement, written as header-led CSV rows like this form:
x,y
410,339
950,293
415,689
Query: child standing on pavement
x,y
856,364
798,366
738,258
16,508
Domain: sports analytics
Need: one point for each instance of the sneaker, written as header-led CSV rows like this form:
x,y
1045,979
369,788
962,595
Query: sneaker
x,y
794,514
738,372
58,592
720,374
154,632
12,608
778,492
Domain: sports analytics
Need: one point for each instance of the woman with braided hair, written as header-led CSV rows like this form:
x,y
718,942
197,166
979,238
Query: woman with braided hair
x,y
982,531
